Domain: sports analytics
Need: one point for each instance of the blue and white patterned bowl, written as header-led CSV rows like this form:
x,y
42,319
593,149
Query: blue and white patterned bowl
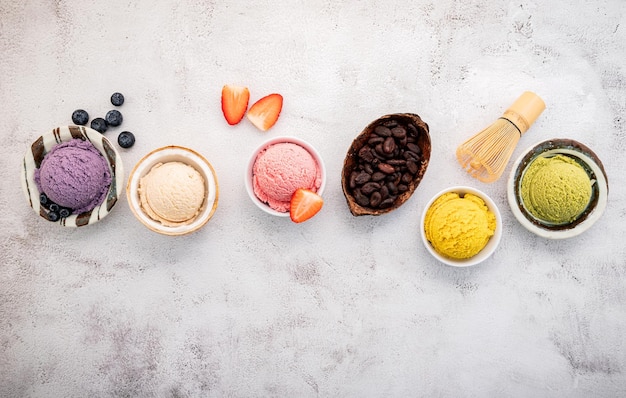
x,y
42,145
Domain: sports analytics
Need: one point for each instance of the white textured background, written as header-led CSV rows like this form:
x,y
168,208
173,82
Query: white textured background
x,y
338,306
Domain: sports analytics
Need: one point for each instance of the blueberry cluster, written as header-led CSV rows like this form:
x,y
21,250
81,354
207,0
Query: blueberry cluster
x,y
114,118
55,212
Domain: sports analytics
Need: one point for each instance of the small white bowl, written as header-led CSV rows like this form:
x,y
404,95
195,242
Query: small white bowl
x,y
592,165
491,246
248,176
42,145
166,154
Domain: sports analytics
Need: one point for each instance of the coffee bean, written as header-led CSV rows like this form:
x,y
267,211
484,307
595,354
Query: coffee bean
x,y
389,145
378,176
375,199
370,187
362,178
410,155
413,148
384,191
352,181
387,202
397,162
393,189
386,168
398,132
365,153
375,140
360,198
386,164
382,131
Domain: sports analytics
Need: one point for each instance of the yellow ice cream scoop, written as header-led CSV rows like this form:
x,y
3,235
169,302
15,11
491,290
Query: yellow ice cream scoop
x,y
556,189
459,226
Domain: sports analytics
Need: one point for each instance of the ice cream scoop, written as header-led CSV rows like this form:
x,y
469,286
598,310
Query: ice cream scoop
x,y
172,193
280,169
556,189
74,174
459,226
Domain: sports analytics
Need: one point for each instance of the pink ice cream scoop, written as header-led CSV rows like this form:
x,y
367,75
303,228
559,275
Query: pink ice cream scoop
x,y
279,170
74,174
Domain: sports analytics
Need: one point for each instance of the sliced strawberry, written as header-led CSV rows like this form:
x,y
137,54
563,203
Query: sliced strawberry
x,y
264,113
234,103
304,205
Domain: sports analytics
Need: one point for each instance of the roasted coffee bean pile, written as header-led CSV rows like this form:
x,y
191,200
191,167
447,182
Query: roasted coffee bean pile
x,y
386,164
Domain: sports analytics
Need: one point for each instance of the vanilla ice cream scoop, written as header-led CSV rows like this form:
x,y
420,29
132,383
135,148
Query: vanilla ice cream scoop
x,y
172,193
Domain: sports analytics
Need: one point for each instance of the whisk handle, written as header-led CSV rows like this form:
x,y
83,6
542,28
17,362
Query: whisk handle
x,y
524,111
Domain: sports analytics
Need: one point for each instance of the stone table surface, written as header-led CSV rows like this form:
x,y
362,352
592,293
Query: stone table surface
x,y
339,306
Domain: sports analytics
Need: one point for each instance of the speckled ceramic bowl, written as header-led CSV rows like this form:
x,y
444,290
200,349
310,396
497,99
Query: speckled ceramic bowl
x,y
40,148
493,242
592,165
166,154
248,174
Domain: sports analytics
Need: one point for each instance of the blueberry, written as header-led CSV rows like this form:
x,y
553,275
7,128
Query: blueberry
x,y
64,212
54,207
53,216
126,139
99,124
43,199
113,118
80,117
117,99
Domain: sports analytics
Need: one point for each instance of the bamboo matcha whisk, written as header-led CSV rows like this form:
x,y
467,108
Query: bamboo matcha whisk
x,y
485,155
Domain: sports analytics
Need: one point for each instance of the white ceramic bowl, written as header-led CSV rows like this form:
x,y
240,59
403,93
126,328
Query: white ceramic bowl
x,y
42,145
248,175
586,158
166,154
491,246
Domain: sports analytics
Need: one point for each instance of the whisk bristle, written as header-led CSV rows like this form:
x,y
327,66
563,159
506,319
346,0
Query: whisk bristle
x,y
485,155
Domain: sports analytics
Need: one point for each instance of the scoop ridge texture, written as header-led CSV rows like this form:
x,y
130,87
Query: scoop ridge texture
x,y
172,193
459,227
556,189
279,170
74,174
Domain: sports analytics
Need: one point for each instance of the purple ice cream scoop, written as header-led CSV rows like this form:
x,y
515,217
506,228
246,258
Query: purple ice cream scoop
x,y
74,174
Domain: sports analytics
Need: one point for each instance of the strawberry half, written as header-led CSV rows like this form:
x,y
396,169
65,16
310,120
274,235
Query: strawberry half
x,y
304,205
234,103
264,113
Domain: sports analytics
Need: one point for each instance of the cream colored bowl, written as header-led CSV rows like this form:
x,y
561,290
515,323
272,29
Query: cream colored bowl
x,y
166,154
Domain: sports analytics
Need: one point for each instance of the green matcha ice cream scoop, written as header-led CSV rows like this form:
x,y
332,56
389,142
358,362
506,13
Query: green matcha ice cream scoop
x,y
556,189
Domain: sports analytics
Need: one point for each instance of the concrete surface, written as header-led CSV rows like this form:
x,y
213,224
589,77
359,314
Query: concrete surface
x,y
339,306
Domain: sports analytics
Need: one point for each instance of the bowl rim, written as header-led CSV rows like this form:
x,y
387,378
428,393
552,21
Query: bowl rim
x,y
491,246
44,143
276,140
176,153
592,164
